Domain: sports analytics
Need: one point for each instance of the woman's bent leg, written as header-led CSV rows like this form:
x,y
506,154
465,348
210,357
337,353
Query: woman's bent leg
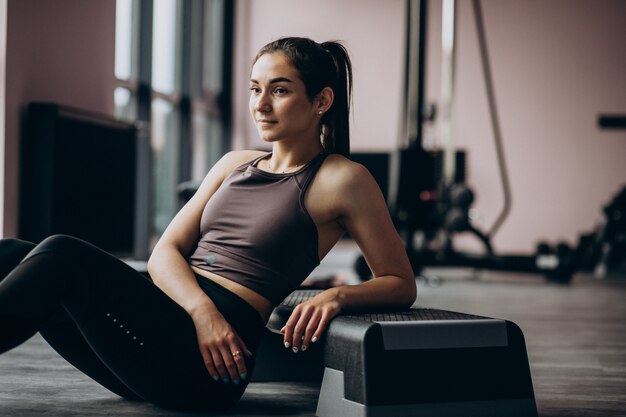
x,y
63,336
61,332
145,338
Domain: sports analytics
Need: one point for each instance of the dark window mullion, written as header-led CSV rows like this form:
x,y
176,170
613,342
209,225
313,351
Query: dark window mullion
x,y
186,69
225,97
145,211
144,70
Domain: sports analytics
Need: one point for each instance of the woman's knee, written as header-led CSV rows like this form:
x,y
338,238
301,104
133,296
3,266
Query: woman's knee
x,y
66,245
60,243
60,247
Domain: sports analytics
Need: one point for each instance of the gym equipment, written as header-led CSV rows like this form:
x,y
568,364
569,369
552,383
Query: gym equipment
x,y
429,201
422,362
275,362
603,251
428,213
606,121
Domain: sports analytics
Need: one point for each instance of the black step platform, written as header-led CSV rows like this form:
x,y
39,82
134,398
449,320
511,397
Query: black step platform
x,y
418,362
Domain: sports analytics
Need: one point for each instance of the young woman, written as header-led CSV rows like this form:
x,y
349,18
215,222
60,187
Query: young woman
x,y
257,226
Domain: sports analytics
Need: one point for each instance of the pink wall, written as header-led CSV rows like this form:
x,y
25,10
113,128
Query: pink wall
x,y
373,32
60,51
556,65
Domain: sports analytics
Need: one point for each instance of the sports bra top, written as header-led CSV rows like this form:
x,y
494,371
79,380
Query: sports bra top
x,y
256,231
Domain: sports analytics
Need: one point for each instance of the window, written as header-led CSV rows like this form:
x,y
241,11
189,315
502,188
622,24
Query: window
x,y
172,65
125,58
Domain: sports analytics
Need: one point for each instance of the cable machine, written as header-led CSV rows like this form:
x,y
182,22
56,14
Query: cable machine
x,y
428,198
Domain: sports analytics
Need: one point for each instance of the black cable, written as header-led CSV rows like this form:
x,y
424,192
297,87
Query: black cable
x,y
483,238
495,122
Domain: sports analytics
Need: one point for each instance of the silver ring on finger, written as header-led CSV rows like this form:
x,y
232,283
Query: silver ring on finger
x,y
236,354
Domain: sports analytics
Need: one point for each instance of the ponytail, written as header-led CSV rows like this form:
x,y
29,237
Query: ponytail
x,y
319,66
336,120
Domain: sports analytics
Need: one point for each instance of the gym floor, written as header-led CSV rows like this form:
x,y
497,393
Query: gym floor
x,y
575,335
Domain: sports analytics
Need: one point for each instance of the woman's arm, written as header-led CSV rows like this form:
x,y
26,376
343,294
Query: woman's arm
x,y
364,214
171,272
167,265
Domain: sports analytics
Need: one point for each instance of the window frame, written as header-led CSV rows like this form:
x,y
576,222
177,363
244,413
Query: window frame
x,y
190,99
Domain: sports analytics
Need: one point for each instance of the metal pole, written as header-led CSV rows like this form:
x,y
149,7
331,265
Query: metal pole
x,y
447,88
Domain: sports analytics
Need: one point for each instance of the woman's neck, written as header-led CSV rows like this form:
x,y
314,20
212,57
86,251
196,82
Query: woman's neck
x,y
289,158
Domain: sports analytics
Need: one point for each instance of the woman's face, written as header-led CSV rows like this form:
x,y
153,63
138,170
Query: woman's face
x,y
279,104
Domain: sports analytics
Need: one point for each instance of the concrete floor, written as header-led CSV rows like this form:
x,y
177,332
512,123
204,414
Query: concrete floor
x,y
575,335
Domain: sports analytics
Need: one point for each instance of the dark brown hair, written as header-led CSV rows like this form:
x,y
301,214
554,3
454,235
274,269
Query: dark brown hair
x,y
322,65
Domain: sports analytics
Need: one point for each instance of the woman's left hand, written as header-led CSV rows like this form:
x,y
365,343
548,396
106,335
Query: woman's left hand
x,y
309,320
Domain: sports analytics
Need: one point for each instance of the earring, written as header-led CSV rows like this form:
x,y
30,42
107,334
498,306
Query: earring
x,y
320,112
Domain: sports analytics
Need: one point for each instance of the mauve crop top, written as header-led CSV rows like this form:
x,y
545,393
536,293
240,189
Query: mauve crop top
x,y
256,231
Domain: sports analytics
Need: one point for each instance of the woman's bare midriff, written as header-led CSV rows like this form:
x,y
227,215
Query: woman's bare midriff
x,y
256,300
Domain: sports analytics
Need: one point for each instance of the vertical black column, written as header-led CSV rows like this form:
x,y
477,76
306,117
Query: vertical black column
x,y
420,69
225,100
184,167
143,213
408,162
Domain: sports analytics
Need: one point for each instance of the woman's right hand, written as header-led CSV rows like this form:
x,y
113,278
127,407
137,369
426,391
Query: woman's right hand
x,y
221,347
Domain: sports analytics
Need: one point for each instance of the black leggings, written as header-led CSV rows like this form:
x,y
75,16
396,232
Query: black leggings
x,y
114,324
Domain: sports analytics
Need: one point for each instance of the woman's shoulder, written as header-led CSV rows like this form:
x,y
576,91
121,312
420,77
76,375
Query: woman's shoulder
x,y
348,185
344,173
